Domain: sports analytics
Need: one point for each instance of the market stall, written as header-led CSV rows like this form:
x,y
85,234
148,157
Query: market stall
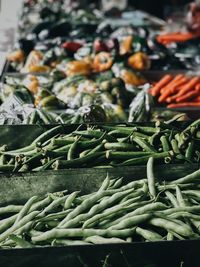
x,y
99,139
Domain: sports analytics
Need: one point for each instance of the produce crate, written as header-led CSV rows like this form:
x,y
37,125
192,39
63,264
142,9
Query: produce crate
x,y
18,188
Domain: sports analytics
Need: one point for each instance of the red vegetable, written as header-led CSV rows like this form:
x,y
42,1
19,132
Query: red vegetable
x,y
72,46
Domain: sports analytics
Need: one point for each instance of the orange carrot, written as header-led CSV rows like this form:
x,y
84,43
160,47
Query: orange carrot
x,y
176,37
176,79
171,90
189,86
184,105
155,90
197,87
172,98
187,97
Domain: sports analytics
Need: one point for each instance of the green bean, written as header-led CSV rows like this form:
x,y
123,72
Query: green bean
x,y
170,236
185,215
196,224
148,235
144,160
110,212
20,242
72,150
56,203
102,240
173,186
24,228
119,146
179,196
21,223
144,145
6,223
165,143
55,216
170,225
48,134
95,134
133,184
10,209
24,211
63,148
84,153
172,199
190,151
175,147
62,141
195,193
25,153
70,199
2,160
154,138
105,184
126,155
123,130
41,204
145,207
34,158
131,221
24,168
117,184
65,233
151,177
97,148
169,211
148,130
188,178
62,164
86,204
135,196
95,209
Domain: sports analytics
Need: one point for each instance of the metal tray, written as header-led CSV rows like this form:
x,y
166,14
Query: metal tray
x,y
18,188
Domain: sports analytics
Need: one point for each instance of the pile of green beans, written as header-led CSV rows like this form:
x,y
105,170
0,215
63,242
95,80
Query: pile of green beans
x,y
142,210
104,146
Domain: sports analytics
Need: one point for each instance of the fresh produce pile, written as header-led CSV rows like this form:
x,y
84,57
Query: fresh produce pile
x,y
179,91
98,98
104,146
142,210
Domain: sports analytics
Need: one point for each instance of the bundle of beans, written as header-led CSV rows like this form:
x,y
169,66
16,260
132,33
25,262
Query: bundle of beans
x,y
142,210
105,146
177,92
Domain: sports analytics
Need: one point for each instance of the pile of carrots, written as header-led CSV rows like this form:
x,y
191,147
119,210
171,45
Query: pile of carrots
x,y
175,37
179,91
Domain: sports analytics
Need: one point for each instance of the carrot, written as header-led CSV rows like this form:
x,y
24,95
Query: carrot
x,y
176,37
172,98
155,90
176,79
171,90
197,87
187,97
184,105
189,86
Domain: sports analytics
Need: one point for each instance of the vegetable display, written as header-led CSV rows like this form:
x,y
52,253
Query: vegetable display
x,y
142,210
178,91
104,145
76,99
